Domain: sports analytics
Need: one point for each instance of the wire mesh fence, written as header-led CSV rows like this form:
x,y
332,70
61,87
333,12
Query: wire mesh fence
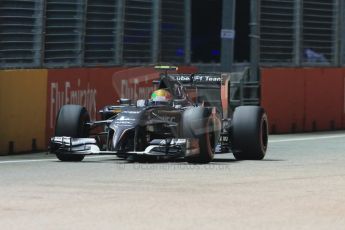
x,y
173,23
318,32
277,31
138,31
20,33
300,32
68,33
101,36
63,32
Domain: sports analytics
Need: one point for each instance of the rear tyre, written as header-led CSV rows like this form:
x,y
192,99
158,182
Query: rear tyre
x,y
71,122
249,133
202,124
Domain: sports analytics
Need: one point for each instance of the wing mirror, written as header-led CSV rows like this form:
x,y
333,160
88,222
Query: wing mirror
x,y
125,101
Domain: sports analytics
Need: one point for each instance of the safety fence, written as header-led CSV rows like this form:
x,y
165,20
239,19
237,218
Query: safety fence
x,y
302,33
76,33
20,33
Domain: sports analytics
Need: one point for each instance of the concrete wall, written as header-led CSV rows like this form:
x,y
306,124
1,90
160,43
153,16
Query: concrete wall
x,y
23,95
30,99
303,99
296,99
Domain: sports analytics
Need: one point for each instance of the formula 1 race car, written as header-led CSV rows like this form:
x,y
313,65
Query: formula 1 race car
x,y
186,117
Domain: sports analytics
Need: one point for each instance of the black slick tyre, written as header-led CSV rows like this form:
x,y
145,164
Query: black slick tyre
x,y
200,123
249,134
70,122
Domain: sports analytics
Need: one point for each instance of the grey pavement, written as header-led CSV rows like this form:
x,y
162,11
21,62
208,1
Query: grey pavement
x,y
299,185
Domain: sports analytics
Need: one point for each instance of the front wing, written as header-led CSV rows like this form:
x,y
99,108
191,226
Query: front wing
x,y
157,147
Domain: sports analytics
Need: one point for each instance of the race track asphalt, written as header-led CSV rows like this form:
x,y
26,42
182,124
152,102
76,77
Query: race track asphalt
x,y
299,185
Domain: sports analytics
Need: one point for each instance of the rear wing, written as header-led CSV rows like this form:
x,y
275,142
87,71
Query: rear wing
x,y
233,89
200,80
212,89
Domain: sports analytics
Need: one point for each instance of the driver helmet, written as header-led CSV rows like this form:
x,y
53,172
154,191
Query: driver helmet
x,y
161,96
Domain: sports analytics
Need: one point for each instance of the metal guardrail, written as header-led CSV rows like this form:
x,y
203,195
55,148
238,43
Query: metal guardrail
x,y
20,33
102,33
301,32
242,90
215,67
277,31
319,40
173,24
64,26
138,31
68,33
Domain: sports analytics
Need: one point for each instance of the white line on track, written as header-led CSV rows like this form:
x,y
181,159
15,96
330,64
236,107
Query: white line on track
x,y
47,160
323,137
307,138
25,161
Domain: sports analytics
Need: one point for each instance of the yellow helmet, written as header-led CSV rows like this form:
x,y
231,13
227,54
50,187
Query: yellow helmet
x,y
161,95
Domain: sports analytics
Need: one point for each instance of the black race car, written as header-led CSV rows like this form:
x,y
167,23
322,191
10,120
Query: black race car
x,y
194,125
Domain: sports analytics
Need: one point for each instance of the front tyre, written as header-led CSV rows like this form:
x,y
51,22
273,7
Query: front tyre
x,y
200,123
71,122
249,133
